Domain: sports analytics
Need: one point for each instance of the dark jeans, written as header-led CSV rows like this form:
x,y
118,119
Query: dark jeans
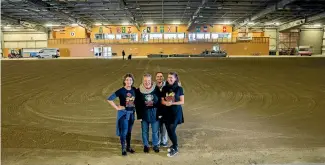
x,y
126,129
171,129
145,132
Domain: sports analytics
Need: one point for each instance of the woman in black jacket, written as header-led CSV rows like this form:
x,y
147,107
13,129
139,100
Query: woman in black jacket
x,y
172,96
147,102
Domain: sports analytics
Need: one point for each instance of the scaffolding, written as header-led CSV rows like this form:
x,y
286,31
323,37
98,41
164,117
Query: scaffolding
x,y
288,42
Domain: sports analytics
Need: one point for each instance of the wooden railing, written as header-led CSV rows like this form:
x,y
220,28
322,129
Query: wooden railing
x,y
152,41
256,40
69,41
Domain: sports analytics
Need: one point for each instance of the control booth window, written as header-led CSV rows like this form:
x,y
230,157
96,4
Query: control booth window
x,y
170,36
99,36
199,36
180,35
109,36
174,35
104,36
132,36
220,35
192,36
155,36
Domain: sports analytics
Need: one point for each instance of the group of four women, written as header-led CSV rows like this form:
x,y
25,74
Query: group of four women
x,y
155,103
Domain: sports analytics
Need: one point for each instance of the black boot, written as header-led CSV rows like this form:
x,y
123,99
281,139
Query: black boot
x,y
156,149
146,149
128,144
124,153
130,150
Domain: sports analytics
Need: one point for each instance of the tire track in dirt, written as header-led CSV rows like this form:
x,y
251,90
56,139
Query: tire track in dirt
x,y
72,94
254,108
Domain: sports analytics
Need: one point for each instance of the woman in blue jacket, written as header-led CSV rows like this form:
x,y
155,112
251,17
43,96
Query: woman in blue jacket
x,y
125,112
173,99
147,102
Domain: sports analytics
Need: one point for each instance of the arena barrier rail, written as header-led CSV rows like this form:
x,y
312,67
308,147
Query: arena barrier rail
x,y
186,55
154,41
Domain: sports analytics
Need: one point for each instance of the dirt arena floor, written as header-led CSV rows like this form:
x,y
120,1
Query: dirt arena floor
x,y
237,111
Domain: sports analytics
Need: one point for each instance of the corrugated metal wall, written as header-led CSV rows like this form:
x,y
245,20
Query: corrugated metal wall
x,y
312,37
272,41
24,39
1,45
323,48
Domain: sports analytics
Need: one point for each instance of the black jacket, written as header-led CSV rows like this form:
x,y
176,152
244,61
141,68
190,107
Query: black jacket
x,y
144,108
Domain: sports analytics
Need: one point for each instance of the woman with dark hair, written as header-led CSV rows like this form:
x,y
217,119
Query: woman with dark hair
x,y
125,112
173,99
147,102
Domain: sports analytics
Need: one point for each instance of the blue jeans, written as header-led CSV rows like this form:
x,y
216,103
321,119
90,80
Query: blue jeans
x,y
145,132
126,129
162,133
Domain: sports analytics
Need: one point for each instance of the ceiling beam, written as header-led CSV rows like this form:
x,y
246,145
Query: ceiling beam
x,y
315,17
131,16
301,22
49,8
291,25
26,24
196,14
279,5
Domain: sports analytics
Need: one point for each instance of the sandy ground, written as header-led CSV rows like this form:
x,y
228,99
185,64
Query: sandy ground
x,y
237,111
138,57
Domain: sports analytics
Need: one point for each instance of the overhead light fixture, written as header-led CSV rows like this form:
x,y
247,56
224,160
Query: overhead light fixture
x,y
74,24
251,23
277,23
176,23
318,25
149,23
188,7
138,8
125,23
6,27
98,24
200,16
50,25
126,8
207,7
226,23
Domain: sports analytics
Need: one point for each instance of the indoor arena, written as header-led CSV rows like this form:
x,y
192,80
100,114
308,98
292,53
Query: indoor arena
x,y
246,78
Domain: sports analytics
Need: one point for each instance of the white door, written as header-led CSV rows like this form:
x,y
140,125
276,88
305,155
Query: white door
x,y
107,51
98,51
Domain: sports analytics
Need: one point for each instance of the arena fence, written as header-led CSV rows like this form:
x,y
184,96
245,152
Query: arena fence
x,y
151,41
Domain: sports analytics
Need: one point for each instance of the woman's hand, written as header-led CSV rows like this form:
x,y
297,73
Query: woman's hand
x,y
119,108
169,104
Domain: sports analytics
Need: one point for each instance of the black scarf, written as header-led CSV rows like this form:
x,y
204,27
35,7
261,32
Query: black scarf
x,y
172,87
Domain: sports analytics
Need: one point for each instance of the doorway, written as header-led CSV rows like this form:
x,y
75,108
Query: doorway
x,y
216,48
104,52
